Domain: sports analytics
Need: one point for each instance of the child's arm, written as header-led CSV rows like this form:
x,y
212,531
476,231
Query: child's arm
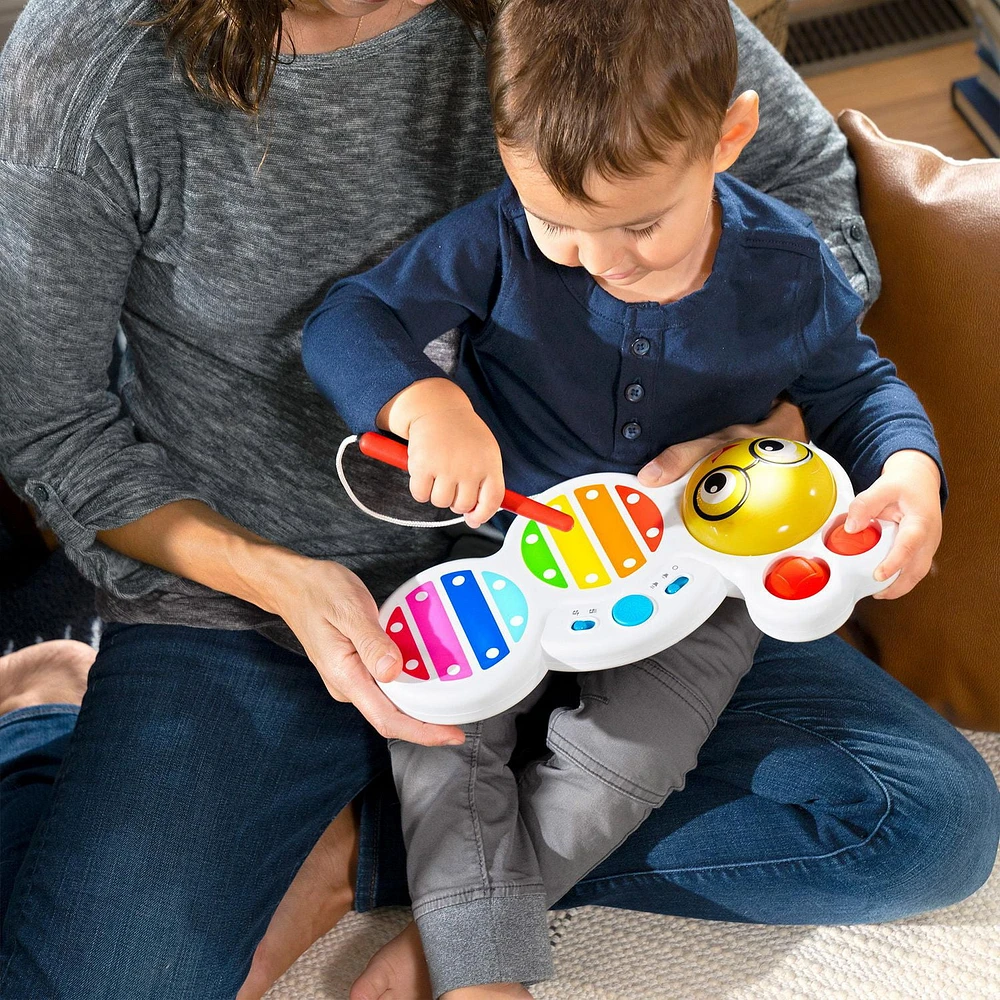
x,y
857,408
364,349
365,343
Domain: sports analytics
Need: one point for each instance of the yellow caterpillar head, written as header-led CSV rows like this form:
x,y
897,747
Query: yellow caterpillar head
x,y
757,496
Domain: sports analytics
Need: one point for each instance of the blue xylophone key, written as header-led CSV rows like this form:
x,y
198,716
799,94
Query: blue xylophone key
x,y
477,620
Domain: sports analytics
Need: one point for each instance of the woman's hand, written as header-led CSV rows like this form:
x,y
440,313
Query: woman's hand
x,y
785,421
335,618
909,493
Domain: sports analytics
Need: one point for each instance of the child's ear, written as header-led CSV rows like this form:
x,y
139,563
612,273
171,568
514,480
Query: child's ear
x,y
738,128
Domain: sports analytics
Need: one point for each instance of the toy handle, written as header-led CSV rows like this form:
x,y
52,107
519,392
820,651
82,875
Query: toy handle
x,y
394,453
383,449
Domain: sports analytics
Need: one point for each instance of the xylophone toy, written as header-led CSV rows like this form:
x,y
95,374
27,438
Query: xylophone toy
x,y
639,569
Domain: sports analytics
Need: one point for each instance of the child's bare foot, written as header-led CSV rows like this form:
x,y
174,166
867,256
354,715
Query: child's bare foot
x,y
320,894
397,971
48,673
495,991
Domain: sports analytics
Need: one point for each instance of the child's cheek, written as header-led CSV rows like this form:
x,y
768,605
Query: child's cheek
x,y
559,251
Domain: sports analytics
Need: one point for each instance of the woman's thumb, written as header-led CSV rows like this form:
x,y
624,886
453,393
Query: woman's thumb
x,y
378,652
673,462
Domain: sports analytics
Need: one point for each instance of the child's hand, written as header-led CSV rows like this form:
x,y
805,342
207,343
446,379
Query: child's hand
x,y
454,461
908,492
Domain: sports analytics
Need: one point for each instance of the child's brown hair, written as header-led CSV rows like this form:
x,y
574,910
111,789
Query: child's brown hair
x,y
610,86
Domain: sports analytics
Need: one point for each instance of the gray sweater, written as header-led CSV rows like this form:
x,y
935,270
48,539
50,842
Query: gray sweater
x,y
128,201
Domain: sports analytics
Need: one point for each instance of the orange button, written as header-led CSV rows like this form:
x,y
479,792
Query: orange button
x,y
796,577
844,544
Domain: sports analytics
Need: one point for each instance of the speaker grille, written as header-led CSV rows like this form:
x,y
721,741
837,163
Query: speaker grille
x,y
878,31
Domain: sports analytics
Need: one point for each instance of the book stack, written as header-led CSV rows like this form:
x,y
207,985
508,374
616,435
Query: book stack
x,y
977,98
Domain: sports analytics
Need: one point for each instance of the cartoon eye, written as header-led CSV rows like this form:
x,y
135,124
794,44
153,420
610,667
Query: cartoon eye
x,y
778,451
721,493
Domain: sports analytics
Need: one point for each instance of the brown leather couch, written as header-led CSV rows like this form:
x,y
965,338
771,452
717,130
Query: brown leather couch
x,y
935,224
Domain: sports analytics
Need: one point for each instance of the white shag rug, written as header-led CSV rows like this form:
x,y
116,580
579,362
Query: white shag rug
x,y
605,954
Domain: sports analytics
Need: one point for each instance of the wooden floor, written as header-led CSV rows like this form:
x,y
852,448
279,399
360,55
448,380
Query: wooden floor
x,y
909,97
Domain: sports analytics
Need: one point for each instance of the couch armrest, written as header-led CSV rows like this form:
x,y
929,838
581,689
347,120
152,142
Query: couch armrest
x,y
935,225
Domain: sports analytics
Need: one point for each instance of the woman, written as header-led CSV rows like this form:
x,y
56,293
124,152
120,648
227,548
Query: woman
x,y
200,496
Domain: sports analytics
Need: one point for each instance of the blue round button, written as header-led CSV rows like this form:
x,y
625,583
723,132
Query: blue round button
x,y
632,610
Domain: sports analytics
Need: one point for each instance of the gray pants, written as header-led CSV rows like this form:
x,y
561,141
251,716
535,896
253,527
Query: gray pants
x,y
489,851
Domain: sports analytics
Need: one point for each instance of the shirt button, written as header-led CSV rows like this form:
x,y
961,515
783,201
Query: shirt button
x,y
631,431
640,347
634,392
856,231
41,493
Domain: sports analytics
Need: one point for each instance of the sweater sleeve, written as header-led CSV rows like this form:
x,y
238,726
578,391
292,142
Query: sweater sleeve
x,y
855,406
66,250
800,156
365,343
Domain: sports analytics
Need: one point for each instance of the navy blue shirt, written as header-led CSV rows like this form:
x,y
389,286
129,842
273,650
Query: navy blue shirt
x,y
572,380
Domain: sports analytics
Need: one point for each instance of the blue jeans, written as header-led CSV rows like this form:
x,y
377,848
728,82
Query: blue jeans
x,y
167,820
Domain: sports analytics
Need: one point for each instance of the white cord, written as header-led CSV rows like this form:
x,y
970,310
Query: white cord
x,y
374,513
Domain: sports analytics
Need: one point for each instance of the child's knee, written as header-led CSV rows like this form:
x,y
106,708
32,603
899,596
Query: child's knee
x,y
643,756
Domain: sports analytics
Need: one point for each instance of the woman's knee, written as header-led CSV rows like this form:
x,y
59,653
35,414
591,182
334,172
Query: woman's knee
x,y
940,840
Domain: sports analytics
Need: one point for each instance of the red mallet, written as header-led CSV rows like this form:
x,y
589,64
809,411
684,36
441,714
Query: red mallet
x,y
394,453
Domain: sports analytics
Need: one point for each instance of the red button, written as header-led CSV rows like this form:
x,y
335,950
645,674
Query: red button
x,y
844,544
796,577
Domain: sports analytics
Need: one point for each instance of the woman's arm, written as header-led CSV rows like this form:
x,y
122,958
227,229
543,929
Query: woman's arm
x,y
66,251
800,156
67,245
327,607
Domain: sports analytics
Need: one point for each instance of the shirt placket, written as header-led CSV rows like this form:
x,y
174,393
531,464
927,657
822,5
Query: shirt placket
x,y
631,406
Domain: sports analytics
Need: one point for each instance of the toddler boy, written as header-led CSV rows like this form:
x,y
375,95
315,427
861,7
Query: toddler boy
x,y
620,293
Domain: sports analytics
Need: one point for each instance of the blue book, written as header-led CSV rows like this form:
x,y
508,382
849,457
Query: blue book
x,y
989,72
980,109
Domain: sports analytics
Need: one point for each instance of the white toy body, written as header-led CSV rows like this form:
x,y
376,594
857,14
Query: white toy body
x,y
630,579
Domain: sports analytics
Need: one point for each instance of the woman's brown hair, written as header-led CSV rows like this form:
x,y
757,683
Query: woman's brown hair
x,y
229,48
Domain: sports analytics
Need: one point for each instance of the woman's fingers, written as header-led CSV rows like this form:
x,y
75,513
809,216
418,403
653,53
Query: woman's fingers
x,y
357,623
391,723
674,461
358,651
784,420
346,678
335,618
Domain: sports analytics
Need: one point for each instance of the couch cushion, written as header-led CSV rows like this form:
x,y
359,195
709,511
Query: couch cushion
x,y
935,224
